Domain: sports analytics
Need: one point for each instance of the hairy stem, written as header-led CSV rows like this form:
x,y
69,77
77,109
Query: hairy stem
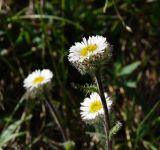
x,y
105,108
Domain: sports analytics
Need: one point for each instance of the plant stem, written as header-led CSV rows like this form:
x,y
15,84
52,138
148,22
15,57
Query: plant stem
x,y
55,116
105,108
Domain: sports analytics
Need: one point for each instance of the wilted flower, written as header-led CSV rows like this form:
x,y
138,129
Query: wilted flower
x,y
37,79
87,54
92,106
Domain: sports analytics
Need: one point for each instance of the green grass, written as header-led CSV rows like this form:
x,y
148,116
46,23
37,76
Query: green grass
x,y
38,35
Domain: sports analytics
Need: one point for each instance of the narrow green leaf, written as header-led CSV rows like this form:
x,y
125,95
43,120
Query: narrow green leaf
x,y
149,145
8,133
131,84
143,122
127,70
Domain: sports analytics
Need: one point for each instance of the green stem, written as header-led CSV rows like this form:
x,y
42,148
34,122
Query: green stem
x,y
55,116
105,108
15,109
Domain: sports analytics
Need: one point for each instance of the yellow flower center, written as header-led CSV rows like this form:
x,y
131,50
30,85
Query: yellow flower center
x,y
89,48
38,80
95,106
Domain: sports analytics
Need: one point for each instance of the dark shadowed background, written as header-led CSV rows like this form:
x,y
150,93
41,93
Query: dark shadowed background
x,y
38,34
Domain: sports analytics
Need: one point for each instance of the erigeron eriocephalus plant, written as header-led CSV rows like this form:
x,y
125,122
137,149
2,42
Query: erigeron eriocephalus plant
x,y
88,56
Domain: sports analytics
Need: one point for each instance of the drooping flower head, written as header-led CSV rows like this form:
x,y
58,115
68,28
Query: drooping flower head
x,y
92,107
37,79
85,55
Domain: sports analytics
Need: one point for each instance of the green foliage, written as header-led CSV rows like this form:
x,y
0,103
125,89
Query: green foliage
x,y
141,129
38,34
150,146
127,70
10,133
115,129
88,88
69,145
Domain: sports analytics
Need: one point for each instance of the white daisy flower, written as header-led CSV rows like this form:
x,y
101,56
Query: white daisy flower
x,y
88,51
92,106
37,78
87,48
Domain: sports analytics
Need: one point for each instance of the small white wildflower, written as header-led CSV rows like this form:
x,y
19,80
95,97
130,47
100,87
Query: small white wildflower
x,y
85,54
92,106
37,79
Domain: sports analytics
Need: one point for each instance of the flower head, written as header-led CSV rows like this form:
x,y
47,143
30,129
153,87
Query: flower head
x,y
37,79
92,107
86,54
